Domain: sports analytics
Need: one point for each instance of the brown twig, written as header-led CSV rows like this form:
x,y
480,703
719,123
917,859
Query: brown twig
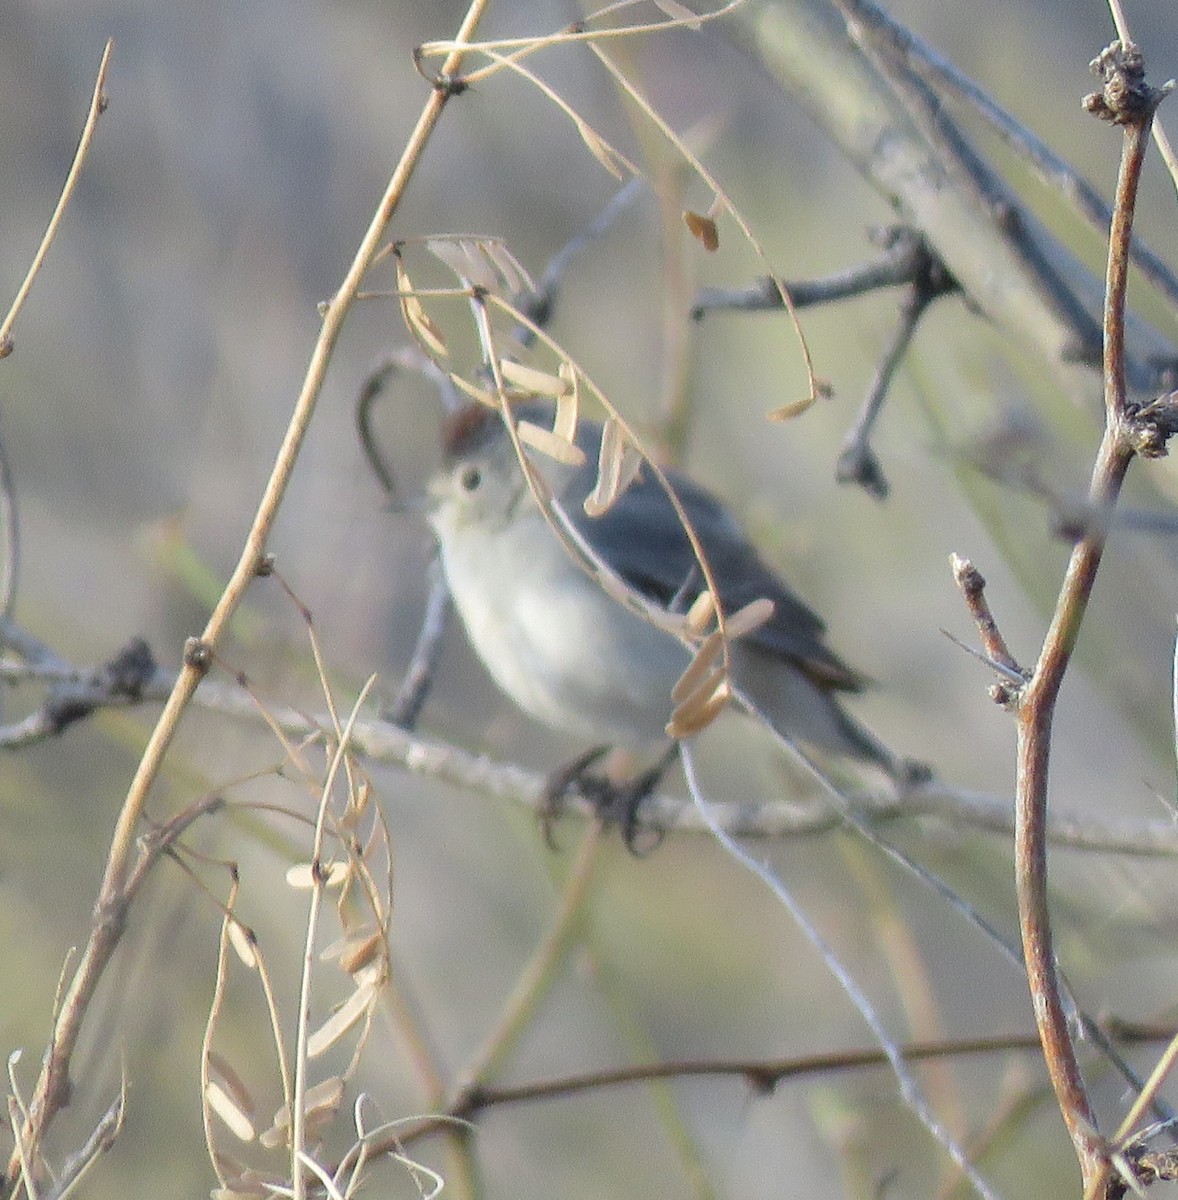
x,y
52,1088
857,461
763,1075
907,261
973,588
1128,101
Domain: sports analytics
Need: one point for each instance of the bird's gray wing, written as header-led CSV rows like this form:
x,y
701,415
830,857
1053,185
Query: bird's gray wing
x,y
661,563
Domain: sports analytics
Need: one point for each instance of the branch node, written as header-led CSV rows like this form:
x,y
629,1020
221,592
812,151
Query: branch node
x,y
1125,98
198,654
1005,696
1150,427
859,464
443,82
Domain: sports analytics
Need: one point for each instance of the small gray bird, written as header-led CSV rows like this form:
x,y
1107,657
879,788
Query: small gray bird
x,y
575,658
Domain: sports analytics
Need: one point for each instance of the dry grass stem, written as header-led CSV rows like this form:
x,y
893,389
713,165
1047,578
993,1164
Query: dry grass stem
x,y
98,102
52,1087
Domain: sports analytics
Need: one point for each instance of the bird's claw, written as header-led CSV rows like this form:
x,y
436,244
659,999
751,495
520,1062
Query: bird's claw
x,y
614,803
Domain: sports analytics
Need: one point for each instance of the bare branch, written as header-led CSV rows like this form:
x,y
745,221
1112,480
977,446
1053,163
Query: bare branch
x,y
1127,100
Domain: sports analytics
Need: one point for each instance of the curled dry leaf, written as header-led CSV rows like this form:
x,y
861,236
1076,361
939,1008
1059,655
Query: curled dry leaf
x,y
234,1117
322,1102
795,408
702,676
703,229
599,147
221,1073
337,949
242,940
568,404
344,1017
550,444
466,258
702,612
617,466
702,666
515,278
420,323
532,380
301,876
357,805
360,952
242,1178
702,707
751,617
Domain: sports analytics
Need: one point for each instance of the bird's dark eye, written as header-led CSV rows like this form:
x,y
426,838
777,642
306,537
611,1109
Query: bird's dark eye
x,y
470,478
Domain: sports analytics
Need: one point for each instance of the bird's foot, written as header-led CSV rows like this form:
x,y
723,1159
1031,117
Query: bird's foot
x,y
616,803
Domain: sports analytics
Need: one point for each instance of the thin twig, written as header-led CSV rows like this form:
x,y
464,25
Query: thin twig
x,y
1037,710
763,1075
540,303
970,176
906,256
973,588
102,1137
381,741
857,462
909,1090
98,103
124,681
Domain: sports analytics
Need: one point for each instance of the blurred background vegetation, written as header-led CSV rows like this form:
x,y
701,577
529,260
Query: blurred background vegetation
x,y
155,367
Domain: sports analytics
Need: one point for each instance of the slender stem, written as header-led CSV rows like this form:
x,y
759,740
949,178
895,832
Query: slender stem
x,y
763,1075
97,108
1037,711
